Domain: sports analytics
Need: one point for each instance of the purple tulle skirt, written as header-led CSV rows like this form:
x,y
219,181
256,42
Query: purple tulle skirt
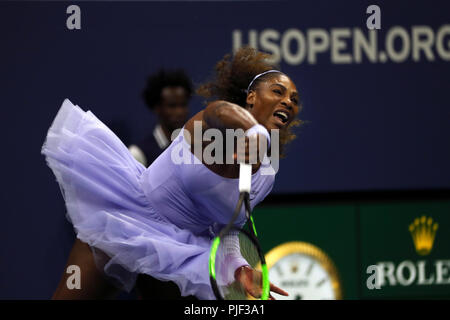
x,y
101,184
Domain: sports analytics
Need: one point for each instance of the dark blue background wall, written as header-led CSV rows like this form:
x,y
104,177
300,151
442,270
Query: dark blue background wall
x,y
372,125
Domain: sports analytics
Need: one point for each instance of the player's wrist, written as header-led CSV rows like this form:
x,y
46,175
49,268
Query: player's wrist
x,y
259,129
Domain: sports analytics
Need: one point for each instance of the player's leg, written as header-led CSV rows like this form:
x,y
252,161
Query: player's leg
x,y
94,284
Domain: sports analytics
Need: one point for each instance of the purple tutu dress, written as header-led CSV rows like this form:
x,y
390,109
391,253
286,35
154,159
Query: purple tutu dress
x,y
158,220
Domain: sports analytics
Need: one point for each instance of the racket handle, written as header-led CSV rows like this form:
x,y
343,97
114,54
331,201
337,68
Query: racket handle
x,y
245,177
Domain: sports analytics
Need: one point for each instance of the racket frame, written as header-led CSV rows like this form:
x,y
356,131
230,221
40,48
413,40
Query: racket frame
x,y
244,198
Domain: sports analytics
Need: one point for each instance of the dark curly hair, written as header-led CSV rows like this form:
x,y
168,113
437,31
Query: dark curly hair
x,y
162,79
234,74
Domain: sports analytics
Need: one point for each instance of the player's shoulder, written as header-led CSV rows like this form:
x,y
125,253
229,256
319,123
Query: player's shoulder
x,y
194,122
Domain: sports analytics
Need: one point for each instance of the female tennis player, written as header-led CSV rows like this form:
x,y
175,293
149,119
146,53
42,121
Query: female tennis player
x,y
160,220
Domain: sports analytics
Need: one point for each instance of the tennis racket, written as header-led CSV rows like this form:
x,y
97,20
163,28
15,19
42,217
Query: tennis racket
x,y
234,247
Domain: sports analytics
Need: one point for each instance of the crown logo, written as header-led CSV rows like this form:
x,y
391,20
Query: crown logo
x,y
423,231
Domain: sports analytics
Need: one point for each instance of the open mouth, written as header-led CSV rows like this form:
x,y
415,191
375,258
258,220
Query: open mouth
x,y
282,115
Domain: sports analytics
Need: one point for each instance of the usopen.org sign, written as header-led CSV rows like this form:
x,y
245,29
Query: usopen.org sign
x,y
349,45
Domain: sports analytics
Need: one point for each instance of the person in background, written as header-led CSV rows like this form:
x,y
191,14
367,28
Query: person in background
x,y
167,94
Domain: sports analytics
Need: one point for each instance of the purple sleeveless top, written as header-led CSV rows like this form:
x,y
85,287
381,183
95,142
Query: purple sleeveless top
x,y
191,196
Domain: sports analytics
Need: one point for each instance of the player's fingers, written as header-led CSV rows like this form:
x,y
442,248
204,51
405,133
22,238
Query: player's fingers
x,y
255,293
275,289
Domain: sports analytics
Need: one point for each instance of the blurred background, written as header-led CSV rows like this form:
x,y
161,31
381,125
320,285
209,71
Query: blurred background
x,y
366,183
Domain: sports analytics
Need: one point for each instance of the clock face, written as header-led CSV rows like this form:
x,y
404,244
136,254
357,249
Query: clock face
x,y
302,277
304,271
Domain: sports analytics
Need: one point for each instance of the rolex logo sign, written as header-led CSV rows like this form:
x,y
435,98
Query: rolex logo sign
x,y
425,270
423,232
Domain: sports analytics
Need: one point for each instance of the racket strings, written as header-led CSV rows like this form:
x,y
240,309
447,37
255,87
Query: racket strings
x,y
236,245
233,248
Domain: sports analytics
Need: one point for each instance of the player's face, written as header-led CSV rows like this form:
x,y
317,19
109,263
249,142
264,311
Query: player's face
x,y
275,102
173,108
